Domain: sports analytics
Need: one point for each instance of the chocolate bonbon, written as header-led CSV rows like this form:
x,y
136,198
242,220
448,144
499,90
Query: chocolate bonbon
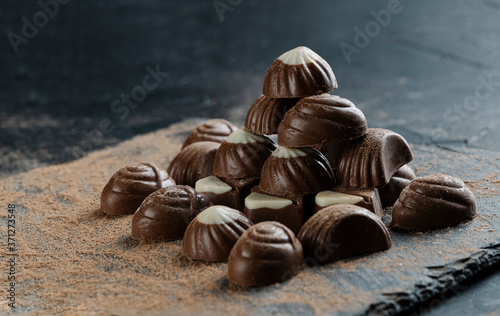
x,y
242,155
165,214
214,130
130,185
370,162
228,192
300,72
321,119
342,231
194,162
433,201
266,114
266,253
213,233
295,172
399,180
367,198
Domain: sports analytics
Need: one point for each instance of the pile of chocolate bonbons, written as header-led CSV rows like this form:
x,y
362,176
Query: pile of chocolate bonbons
x,y
315,197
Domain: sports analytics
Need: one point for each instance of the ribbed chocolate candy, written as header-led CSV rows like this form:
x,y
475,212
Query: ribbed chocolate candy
x,y
130,185
215,130
370,162
322,118
213,233
295,172
242,155
266,114
341,231
399,180
434,201
266,253
298,73
193,163
165,214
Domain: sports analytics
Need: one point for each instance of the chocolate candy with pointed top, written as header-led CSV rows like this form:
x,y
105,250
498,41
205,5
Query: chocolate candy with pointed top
x,y
433,201
266,114
367,198
390,193
213,233
214,130
266,253
165,214
130,185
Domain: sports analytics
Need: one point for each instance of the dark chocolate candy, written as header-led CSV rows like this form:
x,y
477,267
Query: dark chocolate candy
x,y
213,233
165,214
242,155
295,172
341,231
261,207
399,180
228,192
266,253
370,161
321,118
130,185
298,73
434,201
367,198
193,163
266,114
215,130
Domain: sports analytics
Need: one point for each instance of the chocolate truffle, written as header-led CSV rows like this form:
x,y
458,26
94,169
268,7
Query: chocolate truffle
x,y
367,198
193,163
342,231
215,130
434,201
321,119
242,155
266,114
370,162
298,73
295,172
266,253
399,180
213,233
130,185
228,192
165,214
261,207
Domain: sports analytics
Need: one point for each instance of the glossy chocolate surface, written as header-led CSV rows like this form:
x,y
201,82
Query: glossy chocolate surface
x,y
390,193
213,233
214,130
130,185
266,114
370,161
266,253
193,163
434,201
298,73
342,231
321,118
228,192
366,198
242,155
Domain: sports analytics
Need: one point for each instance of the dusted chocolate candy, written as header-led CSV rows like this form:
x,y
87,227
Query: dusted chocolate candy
x,y
193,163
367,198
261,207
213,233
215,130
298,73
266,253
226,192
242,155
130,185
321,119
434,201
295,172
399,180
370,161
266,114
342,231
165,214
